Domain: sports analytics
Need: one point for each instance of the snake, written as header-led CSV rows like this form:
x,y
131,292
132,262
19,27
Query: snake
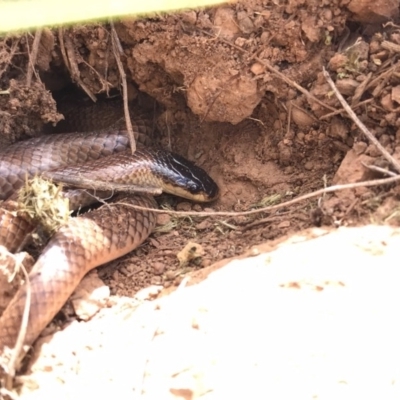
x,y
93,238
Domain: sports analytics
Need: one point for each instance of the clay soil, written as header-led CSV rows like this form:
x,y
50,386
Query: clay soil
x,y
207,80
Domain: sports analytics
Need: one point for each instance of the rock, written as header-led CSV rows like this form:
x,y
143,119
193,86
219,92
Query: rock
x,y
309,27
351,169
360,147
245,23
347,86
338,61
257,68
183,206
387,102
223,98
374,11
190,17
225,23
302,118
338,129
396,94
163,219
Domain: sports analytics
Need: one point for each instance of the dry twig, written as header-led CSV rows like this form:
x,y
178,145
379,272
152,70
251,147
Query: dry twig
x,y
117,50
7,56
332,114
380,81
357,121
317,193
68,53
375,168
33,56
17,352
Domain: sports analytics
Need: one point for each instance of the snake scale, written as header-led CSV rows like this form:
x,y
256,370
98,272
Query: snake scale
x,y
96,237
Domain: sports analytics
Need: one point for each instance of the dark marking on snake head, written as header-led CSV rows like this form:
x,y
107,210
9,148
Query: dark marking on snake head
x,y
184,174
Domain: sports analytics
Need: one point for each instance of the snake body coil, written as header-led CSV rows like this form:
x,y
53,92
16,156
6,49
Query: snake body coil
x,y
98,236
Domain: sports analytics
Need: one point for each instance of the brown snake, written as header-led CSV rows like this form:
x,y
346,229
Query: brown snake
x,y
96,237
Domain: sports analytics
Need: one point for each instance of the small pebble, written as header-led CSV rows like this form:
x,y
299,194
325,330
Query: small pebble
x,y
115,275
183,206
197,207
254,251
309,165
203,225
170,275
360,147
163,219
158,268
205,263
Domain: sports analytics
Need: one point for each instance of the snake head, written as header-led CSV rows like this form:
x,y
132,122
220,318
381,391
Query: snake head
x,y
183,178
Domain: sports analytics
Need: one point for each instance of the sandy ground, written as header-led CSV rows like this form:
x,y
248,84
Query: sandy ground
x,y
316,318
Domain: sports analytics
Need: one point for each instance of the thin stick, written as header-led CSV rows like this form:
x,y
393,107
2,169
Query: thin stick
x,y
273,70
117,50
33,57
289,117
362,127
6,60
68,54
330,189
18,348
294,84
379,169
361,103
62,48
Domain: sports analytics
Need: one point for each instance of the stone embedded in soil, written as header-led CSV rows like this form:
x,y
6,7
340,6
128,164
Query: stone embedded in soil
x,y
310,28
225,23
159,267
257,68
360,147
351,170
347,86
223,97
373,151
395,95
387,102
163,219
374,11
338,129
301,118
338,61
245,23
184,206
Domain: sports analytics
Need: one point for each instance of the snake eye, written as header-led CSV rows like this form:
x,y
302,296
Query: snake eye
x,y
194,187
